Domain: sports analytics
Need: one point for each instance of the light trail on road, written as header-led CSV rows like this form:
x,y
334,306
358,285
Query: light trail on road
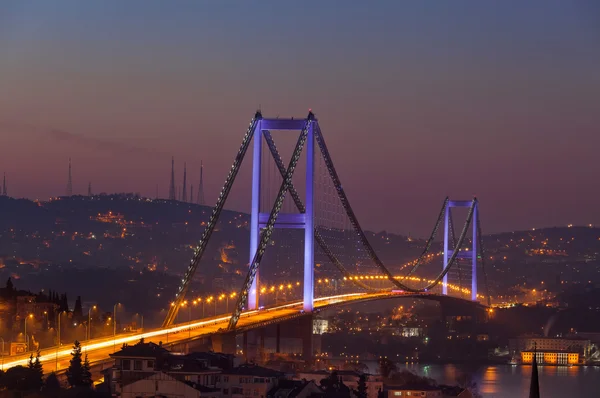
x,y
98,351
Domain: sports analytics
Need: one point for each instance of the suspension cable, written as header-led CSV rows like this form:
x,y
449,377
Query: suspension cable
x,y
212,222
360,232
298,202
431,238
268,229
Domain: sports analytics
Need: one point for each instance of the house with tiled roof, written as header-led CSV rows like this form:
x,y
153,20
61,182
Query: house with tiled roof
x,y
160,384
296,389
248,381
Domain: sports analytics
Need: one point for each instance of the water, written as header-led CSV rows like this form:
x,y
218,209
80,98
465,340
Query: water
x,y
507,381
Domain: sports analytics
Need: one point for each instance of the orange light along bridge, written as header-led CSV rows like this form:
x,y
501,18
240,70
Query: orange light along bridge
x,y
99,350
329,232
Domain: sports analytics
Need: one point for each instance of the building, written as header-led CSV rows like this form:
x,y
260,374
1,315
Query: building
x,y
160,384
142,361
296,389
414,390
248,381
349,378
550,357
27,305
550,344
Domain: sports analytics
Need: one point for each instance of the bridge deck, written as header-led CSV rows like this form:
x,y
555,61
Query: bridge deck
x,y
98,350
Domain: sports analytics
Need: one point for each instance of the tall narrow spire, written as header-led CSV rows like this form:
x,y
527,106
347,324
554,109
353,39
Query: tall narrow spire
x,y
70,181
156,191
191,193
90,189
534,387
172,184
184,194
4,186
201,185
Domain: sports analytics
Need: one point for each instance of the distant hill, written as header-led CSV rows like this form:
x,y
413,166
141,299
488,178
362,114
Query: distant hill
x,y
84,243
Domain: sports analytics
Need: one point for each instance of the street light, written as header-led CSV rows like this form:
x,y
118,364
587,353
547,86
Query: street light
x,y
58,340
2,366
84,325
25,332
142,318
115,326
89,336
220,298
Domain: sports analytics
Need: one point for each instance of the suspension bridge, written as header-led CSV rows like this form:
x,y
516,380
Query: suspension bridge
x,y
316,217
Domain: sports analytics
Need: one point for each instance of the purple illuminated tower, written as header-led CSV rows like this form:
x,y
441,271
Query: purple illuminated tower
x,y
463,254
304,220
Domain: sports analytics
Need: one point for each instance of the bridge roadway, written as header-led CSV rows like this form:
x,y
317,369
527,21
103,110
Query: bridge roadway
x,y
98,350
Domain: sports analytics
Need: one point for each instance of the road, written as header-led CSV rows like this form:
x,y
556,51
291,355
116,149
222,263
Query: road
x,y
57,359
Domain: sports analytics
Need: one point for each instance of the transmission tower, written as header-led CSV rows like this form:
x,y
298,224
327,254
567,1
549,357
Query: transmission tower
x,y
70,181
90,189
172,184
184,194
201,186
4,186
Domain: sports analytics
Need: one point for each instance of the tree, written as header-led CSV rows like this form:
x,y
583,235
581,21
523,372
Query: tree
x,y
18,378
9,286
334,386
361,388
87,374
465,380
64,303
37,366
52,385
77,310
386,367
75,369
36,371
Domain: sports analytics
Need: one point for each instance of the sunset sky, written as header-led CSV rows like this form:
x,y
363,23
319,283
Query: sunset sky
x,y
417,99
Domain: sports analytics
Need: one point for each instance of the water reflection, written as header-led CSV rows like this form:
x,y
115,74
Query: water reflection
x,y
509,381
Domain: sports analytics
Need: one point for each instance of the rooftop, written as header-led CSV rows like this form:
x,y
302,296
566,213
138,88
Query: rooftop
x,y
413,387
141,350
291,388
253,370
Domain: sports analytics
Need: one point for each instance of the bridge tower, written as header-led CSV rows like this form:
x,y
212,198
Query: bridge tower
x,y
470,255
303,220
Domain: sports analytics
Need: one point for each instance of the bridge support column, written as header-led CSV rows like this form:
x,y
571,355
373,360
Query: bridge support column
x,y
245,346
253,295
278,338
474,254
262,354
224,342
309,232
445,257
306,330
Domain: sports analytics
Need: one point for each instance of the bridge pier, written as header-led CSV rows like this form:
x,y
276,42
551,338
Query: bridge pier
x,y
278,338
224,342
245,346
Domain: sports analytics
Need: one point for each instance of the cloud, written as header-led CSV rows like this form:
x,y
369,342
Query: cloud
x,y
78,139
99,144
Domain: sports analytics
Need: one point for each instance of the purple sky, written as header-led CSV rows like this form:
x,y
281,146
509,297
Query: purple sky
x,y
417,100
